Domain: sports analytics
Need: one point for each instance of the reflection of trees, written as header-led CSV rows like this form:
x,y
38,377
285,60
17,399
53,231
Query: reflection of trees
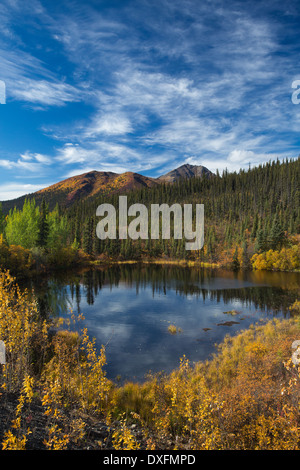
x,y
52,296
262,298
187,281
89,286
57,295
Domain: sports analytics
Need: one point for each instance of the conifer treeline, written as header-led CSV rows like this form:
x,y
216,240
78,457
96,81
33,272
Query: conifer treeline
x,y
250,211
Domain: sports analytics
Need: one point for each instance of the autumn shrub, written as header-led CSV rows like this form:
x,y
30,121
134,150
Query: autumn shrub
x,y
177,409
250,377
73,382
62,256
287,259
16,437
246,396
122,436
295,307
15,258
64,366
243,398
22,331
20,260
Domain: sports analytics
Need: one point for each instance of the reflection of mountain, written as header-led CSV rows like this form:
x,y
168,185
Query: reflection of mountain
x,y
56,296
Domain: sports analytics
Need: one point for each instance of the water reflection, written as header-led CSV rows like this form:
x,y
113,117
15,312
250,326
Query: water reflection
x,y
129,308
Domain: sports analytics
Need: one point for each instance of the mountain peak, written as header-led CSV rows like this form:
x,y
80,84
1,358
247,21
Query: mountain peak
x,y
185,171
94,183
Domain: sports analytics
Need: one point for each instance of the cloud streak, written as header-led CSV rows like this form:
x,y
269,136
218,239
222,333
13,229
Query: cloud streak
x,y
204,112
146,86
28,78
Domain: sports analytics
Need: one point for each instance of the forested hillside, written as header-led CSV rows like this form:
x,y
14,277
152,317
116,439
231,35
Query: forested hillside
x,y
245,213
252,220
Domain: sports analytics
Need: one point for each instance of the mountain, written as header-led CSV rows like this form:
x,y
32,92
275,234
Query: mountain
x,y
185,171
93,183
72,189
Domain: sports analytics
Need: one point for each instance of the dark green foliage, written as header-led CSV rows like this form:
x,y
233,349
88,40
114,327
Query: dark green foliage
x,y
2,219
255,210
235,265
43,225
245,256
261,243
257,206
87,241
277,235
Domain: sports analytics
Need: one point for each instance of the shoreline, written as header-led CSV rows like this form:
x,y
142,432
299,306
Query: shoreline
x,y
159,262
98,263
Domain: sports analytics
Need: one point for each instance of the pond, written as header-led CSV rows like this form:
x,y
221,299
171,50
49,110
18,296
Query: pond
x,y
129,309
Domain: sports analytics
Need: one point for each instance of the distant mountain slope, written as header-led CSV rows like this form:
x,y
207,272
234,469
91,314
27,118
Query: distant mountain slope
x,y
72,189
83,186
95,182
185,171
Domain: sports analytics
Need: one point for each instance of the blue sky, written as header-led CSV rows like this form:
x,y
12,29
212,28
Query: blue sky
x,y
144,86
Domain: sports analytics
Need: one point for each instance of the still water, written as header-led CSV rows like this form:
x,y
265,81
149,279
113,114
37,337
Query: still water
x,y
128,308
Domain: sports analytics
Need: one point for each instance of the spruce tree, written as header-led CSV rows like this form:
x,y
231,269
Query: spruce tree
x,y
87,242
260,243
276,235
235,265
245,256
2,220
43,225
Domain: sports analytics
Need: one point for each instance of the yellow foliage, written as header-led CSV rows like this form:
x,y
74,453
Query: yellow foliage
x,y
57,440
12,442
246,397
123,438
256,349
17,259
295,307
287,259
173,329
17,440
20,330
233,401
70,371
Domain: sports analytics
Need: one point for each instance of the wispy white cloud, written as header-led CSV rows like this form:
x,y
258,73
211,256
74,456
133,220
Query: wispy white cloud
x,y
208,111
32,162
14,190
238,159
160,83
43,92
7,164
107,124
102,156
27,77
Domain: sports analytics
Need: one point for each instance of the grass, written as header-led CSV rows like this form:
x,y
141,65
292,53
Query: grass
x,y
173,329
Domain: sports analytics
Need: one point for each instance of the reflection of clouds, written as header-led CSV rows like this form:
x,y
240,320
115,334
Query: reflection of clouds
x,y
114,307
189,297
135,327
132,320
110,334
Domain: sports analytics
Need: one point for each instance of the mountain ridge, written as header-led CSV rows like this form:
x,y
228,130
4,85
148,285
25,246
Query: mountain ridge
x,y
85,185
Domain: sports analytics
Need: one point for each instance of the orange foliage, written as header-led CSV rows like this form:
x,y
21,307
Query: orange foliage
x,y
287,259
15,258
